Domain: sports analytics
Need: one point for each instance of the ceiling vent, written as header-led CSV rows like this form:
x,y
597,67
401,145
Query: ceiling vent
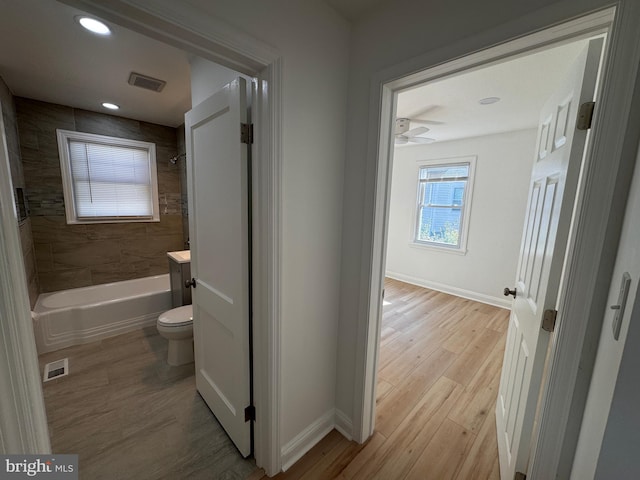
x,y
148,83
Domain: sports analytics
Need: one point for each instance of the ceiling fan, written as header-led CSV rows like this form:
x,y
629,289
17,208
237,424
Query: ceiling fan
x,y
405,134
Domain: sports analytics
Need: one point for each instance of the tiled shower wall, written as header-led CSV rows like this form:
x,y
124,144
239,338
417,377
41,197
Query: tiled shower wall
x,y
69,256
17,179
182,163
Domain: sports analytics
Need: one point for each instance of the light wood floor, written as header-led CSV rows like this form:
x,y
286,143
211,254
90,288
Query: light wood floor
x,y
129,415
440,362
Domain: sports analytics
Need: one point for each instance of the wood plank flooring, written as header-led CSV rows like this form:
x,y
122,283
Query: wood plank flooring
x,y
439,371
129,415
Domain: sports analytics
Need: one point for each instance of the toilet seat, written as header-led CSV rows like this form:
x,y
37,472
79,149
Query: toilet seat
x,y
177,317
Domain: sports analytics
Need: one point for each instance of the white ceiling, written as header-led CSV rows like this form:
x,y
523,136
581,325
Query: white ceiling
x,y
47,56
523,85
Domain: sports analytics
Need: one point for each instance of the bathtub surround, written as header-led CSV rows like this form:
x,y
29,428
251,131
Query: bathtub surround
x,y
17,178
71,256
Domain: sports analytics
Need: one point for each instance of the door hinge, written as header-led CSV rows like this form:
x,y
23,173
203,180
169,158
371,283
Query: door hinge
x,y
520,476
383,291
585,115
246,133
250,414
549,320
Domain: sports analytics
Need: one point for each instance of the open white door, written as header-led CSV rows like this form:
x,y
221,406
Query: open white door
x,y
218,173
552,192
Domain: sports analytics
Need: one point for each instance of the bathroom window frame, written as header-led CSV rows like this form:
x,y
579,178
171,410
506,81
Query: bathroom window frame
x,y
65,136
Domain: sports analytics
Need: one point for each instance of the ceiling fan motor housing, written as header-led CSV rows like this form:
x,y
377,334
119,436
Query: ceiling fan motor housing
x,y
402,125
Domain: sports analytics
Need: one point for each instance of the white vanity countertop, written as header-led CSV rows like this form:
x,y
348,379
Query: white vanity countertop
x,y
182,256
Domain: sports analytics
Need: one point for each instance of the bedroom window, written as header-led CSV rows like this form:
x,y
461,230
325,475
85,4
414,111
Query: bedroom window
x,y
444,198
108,179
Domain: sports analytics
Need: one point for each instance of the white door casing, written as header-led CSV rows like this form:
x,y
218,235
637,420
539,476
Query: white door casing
x,y
554,181
23,420
218,173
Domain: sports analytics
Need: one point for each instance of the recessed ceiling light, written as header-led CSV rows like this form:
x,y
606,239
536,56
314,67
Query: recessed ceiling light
x,y
489,100
93,25
110,106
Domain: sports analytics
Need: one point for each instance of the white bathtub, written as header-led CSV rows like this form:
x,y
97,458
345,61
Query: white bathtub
x,y
87,314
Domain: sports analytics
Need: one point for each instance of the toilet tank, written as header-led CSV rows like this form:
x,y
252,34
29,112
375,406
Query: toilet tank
x,y
179,273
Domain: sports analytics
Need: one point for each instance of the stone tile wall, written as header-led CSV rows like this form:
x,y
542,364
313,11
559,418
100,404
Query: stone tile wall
x,y
182,163
17,179
69,256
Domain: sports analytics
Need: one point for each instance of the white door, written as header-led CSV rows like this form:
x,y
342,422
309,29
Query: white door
x,y
552,192
218,173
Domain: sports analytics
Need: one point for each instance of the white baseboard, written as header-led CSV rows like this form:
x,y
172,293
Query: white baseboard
x,y
344,424
459,292
310,436
307,439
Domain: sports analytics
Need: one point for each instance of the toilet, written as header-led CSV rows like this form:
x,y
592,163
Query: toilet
x,y
176,325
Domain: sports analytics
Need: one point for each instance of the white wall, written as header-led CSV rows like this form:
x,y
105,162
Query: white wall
x,y
313,42
208,77
609,356
502,175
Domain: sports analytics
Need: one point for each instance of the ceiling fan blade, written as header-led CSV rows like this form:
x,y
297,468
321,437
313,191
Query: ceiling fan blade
x,y
423,140
416,131
425,121
401,140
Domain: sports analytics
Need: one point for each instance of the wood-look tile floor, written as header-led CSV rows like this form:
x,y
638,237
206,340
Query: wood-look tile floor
x,y
129,415
439,371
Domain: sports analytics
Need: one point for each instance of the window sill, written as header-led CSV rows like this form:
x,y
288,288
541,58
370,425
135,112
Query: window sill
x,y
111,220
436,248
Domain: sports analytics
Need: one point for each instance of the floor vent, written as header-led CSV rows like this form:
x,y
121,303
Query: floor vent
x,y
149,83
56,369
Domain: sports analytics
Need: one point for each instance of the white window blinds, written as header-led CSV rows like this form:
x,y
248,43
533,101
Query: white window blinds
x,y
107,181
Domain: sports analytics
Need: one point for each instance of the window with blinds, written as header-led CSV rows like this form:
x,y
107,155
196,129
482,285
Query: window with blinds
x,y
443,203
108,179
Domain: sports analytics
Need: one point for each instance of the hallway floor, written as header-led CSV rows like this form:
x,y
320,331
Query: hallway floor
x,y
129,415
439,372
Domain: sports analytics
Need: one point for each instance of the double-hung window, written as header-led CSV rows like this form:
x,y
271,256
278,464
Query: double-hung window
x,y
444,196
108,179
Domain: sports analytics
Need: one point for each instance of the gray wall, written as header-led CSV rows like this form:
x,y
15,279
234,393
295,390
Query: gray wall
x,y
69,256
621,442
17,179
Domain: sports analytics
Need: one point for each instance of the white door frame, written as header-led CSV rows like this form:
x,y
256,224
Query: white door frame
x,y
610,159
185,27
23,424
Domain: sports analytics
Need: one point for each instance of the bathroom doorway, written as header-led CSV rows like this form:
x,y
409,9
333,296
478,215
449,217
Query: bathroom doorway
x,y
264,443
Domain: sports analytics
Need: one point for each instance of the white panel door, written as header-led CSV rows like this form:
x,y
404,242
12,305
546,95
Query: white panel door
x,y
218,173
552,192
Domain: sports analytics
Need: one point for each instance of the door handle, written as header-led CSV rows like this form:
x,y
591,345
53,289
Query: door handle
x,y
190,283
508,292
